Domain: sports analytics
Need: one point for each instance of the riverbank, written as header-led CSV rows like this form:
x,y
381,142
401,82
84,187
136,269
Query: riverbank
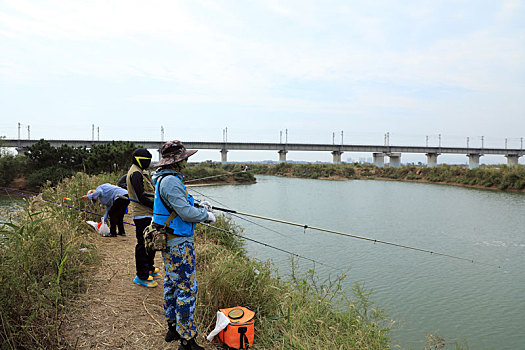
x,y
82,297
500,177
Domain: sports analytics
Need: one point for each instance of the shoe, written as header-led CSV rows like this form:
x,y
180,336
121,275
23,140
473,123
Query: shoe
x,y
145,283
155,272
123,234
189,345
111,235
172,334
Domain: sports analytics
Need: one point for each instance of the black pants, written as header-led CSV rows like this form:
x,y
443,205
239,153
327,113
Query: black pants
x,y
144,259
116,216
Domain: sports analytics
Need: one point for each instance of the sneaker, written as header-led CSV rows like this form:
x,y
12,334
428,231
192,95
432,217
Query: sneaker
x,y
155,272
189,345
122,234
145,283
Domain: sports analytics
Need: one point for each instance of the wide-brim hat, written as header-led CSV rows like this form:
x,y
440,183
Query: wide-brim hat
x,y
173,152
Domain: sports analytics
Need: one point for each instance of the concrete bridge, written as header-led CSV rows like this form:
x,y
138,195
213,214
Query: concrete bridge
x,y
379,152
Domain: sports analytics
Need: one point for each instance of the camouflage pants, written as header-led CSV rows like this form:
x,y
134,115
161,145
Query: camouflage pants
x,y
180,288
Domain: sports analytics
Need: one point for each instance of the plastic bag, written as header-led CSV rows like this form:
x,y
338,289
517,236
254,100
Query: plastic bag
x,y
100,227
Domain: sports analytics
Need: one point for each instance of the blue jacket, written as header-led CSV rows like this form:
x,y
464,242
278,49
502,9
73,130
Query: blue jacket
x,y
176,196
106,194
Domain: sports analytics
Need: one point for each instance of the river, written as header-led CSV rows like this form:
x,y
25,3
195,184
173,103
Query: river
x,y
482,305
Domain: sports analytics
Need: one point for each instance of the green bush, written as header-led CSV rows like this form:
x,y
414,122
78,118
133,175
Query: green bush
x,y
10,167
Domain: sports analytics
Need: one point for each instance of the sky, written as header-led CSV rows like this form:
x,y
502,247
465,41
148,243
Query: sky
x,y
266,71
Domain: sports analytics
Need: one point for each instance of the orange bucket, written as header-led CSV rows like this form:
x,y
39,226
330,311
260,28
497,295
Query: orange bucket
x,y
239,333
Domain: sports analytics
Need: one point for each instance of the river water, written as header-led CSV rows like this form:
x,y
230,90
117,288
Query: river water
x,y
482,305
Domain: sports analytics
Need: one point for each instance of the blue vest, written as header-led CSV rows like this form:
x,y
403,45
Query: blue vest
x,y
161,213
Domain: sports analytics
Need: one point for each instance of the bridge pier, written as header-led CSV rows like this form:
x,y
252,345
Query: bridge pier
x,y
473,160
395,159
282,155
432,159
512,159
224,155
336,156
379,159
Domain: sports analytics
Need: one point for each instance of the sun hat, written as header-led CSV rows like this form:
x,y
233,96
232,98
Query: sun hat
x,y
173,152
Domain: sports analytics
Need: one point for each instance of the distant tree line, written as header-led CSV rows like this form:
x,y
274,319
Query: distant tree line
x,y
502,177
42,162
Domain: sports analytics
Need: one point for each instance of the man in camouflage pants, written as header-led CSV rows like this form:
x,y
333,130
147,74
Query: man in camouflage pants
x,y
180,282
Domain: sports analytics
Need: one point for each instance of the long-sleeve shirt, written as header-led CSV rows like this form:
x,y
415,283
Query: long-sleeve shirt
x,y
174,194
106,194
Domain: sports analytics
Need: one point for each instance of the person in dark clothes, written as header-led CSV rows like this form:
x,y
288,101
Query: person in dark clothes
x,y
138,183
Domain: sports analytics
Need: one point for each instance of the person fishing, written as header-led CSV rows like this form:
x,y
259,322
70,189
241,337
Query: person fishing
x,y
138,183
180,282
115,206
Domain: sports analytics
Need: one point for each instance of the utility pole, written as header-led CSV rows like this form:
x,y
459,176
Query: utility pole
x,y
505,143
92,132
427,141
226,134
468,142
286,136
439,140
341,137
98,133
162,133
482,142
28,132
280,136
333,138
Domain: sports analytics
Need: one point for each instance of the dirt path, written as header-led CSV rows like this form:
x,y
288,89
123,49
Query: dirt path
x,y
115,313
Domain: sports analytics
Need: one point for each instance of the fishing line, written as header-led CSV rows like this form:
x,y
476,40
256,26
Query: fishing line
x,y
245,219
354,236
270,246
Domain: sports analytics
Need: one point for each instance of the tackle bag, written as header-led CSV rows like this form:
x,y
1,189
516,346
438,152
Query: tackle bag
x,y
155,237
239,333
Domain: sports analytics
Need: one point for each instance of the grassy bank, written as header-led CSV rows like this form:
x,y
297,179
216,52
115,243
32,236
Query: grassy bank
x,y
45,252
43,259
499,177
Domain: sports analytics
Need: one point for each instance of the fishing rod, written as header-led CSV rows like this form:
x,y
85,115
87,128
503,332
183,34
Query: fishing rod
x,y
230,211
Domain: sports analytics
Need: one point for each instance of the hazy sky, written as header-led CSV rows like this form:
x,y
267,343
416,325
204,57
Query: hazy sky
x,y
410,68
